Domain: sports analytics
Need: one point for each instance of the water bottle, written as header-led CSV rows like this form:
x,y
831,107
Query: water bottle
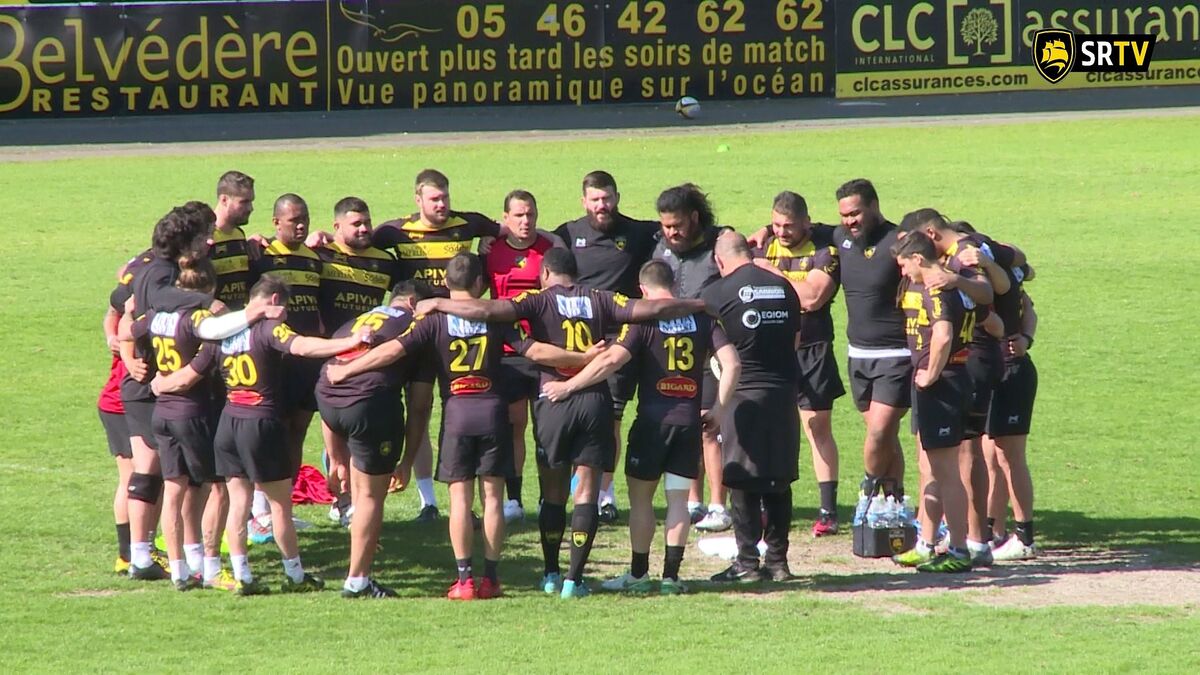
x,y
860,511
877,514
892,517
908,513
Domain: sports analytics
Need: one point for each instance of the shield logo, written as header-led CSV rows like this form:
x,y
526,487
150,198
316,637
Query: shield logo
x,y
1053,53
869,252
579,538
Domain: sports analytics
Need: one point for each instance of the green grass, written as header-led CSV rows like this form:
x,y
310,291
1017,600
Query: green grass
x,y
1103,208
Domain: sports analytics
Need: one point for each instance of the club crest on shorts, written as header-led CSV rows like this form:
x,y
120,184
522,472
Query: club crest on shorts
x,y
1053,53
579,538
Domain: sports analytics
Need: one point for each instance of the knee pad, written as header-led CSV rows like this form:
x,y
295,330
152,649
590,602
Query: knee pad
x,y
673,481
145,487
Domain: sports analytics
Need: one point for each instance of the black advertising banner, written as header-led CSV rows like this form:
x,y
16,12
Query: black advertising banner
x,y
66,60
910,47
153,59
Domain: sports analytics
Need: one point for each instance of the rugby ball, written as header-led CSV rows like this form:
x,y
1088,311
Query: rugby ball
x,y
688,107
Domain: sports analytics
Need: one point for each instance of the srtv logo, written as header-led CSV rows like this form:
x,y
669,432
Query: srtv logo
x,y
1058,52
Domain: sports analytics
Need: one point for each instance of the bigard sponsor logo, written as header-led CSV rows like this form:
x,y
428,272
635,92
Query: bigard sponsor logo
x,y
678,387
471,384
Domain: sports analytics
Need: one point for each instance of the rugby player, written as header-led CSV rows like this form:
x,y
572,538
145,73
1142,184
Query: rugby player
x,y
475,439
112,417
664,442
804,254
513,264
229,251
760,426
574,435
251,444
938,327
609,248
685,243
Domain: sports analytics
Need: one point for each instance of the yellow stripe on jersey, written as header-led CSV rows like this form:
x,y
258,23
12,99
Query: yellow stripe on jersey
x,y
231,264
278,248
434,250
342,272
369,252
417,226
237,234
297,277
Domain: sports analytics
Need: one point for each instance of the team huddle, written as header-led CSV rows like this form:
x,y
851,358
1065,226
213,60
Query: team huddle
x,y
225,346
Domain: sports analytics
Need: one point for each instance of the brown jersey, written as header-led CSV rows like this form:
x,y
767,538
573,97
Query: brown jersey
x,y
389,323
175,345
669,357
816,253
572,318
468,355
301,269
232,262
422,251
924,307
353,281
252,367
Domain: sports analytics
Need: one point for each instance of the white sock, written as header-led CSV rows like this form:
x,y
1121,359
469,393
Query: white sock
x,y
293,568
261,506
923,547
212,567
139,554
977,547
355,584
609,496
195,556
241,568
716,508
692,506
425,487
179,570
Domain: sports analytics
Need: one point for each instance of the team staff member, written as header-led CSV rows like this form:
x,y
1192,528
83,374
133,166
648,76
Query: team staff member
x,y
938,327
803,253
575,435
513,265
229,251
685,243
760,427
288,258
251,445
112,417
670,358
364,414
609,248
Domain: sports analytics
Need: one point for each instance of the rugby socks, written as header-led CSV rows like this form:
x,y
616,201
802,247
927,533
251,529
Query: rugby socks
x,y
513,485
212,567
489,570
123,541
923,547
195,556
260,507
692,506
241,568
716,508
975,547
140,554
640,566
828,496
552,521
673,560
464,569
179,570
355,584
585,519
425,488
1025,532
294,570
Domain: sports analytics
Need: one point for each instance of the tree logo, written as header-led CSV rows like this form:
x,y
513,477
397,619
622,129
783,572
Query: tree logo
x,y
1053,53
979,27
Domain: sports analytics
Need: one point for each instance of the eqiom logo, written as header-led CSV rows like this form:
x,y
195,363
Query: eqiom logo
x,y
1057,52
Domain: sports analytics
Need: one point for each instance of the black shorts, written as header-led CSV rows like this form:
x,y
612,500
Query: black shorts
x,y
656,448
887,380
577,431
985,370
939,412
760,440
519,378
1011,413
622,385
185,449
117,432
464,452
300,377
252,447
139,418
820,382
373,429
710,388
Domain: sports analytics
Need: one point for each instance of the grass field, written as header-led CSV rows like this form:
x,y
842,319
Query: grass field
x,y
1104,208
